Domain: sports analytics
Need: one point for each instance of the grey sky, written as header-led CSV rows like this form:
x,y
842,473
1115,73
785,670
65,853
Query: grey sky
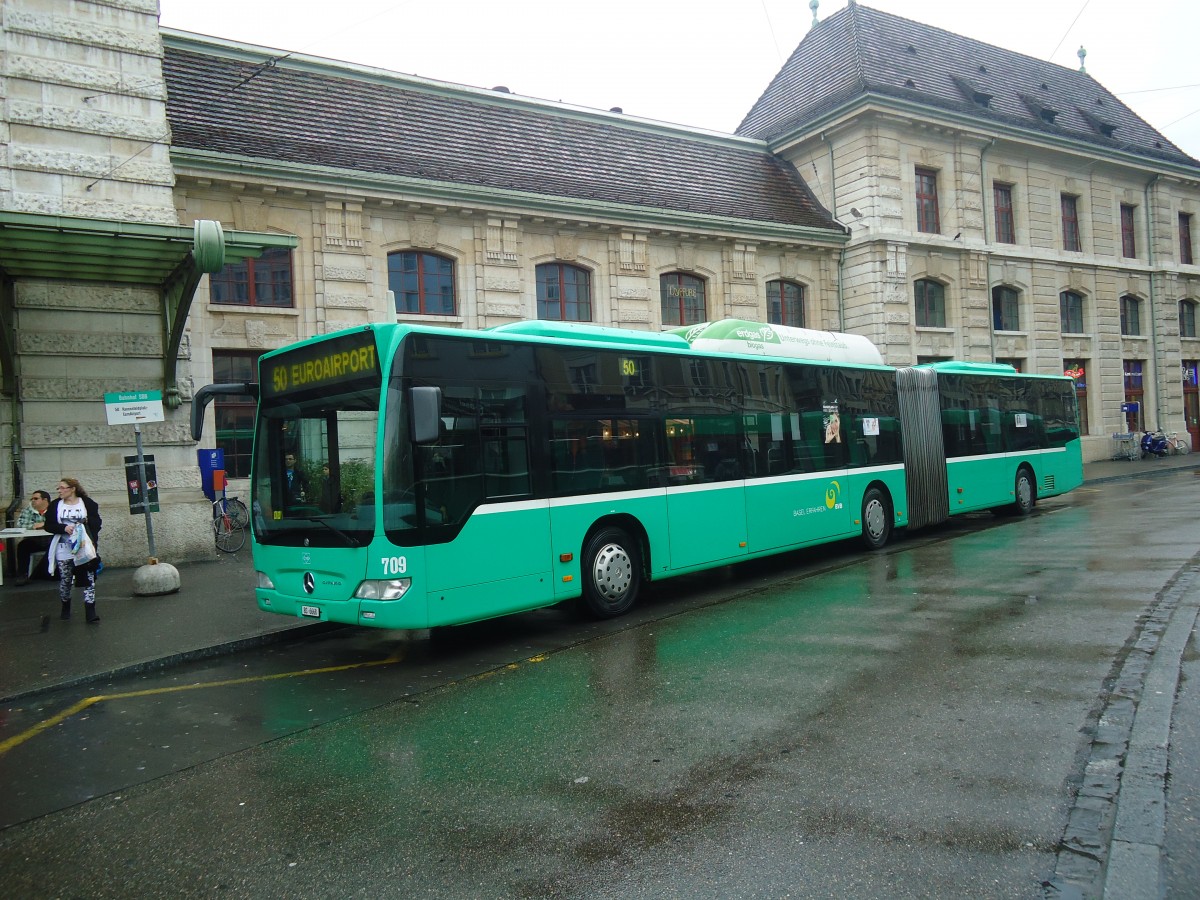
x,y
702,63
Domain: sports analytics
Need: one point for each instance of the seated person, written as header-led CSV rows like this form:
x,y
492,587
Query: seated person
x,y
33,517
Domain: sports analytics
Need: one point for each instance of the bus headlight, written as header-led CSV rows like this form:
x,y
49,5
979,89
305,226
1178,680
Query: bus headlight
x,y
264,581
383,589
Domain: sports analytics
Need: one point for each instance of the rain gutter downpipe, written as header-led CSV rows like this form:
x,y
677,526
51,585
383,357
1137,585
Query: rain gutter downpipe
x,y
987,253
1158,374
841,309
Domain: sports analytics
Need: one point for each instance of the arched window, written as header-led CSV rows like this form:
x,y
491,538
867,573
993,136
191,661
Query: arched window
x,y
1187,318
564,293
1070,312
931,303
1131,315
1006,313
682,299
423,283
785,303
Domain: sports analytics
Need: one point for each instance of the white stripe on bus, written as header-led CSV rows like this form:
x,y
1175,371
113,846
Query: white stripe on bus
x,y
648,493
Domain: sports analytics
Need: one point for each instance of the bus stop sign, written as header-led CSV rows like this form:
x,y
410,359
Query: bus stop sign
x,y
133,407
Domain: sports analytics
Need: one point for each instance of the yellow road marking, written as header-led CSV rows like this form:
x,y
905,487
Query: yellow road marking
x,y
83,704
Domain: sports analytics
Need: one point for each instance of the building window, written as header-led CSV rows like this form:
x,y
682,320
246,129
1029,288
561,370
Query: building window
x,y
564,293
1128,238
1070,222
423,283
1006,232
1070,312
265,281
1018,364
682,299
785,303
1187,318
235,414
927,202
1131,315
1134,393
931,304
1076,370
1185,239
1005,313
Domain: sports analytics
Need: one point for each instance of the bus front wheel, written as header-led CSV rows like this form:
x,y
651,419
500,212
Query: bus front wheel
x,y
1025,492
876,519
612,573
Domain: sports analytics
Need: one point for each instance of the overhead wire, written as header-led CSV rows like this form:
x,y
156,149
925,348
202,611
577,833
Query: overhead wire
x,y
257,70
1070,27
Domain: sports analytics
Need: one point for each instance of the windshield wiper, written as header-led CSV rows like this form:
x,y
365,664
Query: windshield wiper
x,y
350,542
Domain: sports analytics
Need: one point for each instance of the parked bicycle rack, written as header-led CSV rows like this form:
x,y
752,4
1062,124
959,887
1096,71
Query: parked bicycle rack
x,y
1125,446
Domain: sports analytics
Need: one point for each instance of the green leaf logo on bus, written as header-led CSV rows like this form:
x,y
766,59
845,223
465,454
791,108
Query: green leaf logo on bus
x,y
832,496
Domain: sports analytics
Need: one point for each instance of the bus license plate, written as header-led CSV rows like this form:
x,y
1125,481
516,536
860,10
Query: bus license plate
x,y
314,611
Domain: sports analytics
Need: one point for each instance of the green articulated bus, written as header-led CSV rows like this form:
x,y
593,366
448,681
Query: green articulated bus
x,y
441,476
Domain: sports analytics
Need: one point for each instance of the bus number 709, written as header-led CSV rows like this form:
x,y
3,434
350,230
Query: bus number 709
x,y
394,565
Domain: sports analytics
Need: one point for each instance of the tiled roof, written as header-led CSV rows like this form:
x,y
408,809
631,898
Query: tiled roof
x,y
860,50
331,116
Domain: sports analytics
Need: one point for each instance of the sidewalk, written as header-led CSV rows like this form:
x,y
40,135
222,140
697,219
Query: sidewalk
x,y
212,613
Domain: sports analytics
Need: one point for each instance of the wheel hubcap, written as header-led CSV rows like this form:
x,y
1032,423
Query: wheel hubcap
x,y
873,516
1024,491
613,572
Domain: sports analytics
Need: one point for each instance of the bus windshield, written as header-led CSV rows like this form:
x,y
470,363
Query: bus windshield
x,y
314,448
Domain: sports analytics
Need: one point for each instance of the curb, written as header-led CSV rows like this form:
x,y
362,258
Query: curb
x,y
1141,473
1112,845
296,633
1134,868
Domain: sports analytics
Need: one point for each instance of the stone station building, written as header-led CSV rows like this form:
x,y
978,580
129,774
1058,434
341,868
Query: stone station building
x,y
945,198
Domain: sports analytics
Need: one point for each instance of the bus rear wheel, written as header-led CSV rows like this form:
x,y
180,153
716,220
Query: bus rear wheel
x,y
612,573
876,519
1025,492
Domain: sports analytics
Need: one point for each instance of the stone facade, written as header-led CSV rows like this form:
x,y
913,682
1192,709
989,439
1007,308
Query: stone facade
x,y
338,285
871,185
84,133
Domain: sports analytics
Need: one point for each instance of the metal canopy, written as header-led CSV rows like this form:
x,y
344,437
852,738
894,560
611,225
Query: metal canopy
x,y
33,245
172,258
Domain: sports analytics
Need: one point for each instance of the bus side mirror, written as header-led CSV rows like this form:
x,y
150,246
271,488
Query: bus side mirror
x,y
425,408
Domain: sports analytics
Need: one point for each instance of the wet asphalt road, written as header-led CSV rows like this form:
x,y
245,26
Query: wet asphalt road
x,y
905,724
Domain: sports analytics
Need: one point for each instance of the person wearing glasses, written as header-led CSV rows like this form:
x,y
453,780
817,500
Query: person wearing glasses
x,y
32,518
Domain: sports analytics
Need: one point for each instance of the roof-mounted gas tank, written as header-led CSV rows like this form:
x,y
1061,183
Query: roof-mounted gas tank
x,y
758,338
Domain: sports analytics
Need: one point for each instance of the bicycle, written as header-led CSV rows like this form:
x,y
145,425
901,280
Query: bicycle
x,y
1177,445
230,520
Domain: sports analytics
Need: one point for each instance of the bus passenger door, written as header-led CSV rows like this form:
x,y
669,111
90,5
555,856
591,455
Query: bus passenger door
x,y
706,491
488,539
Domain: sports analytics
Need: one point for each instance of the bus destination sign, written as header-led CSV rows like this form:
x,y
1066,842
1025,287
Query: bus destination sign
x,y
321,365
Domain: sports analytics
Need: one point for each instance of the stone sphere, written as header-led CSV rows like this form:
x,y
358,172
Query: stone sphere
x,y
156,579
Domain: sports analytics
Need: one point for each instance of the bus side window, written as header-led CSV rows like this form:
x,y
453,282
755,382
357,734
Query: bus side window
x,y
505,442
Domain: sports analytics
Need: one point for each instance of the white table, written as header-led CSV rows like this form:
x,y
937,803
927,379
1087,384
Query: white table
x,y
11,537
